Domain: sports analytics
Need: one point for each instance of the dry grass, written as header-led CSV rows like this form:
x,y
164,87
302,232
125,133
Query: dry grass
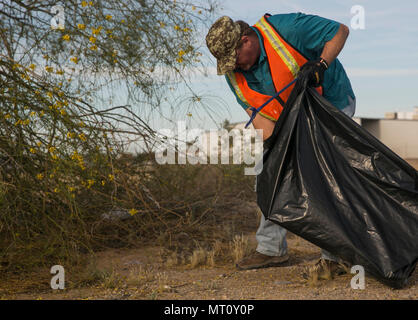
x,y
112,280
216,251
140,276
198,257
240,247
205,257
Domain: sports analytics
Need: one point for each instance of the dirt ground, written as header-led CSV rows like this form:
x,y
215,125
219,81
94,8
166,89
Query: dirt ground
x,y
148,273
142,274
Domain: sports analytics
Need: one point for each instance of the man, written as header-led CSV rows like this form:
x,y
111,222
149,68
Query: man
x,y
259,61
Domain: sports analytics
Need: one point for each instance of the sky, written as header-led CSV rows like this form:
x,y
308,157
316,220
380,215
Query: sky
x,y
381,60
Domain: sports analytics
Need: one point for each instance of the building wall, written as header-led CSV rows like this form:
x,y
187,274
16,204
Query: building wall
x,y
401,136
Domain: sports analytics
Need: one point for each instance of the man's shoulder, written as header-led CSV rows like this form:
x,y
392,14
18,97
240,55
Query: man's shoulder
x,y
284,17
287,19
285,23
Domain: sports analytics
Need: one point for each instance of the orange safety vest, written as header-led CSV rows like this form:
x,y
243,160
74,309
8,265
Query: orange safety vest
x,y
284,61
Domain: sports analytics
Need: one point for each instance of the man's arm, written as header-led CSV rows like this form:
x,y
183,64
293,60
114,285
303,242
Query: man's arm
x,y
333,47
314,70
261,122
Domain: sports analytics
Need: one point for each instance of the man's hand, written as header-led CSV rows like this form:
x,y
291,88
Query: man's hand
x,y
314,71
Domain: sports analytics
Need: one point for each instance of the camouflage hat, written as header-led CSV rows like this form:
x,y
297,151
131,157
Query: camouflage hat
x,y
222,40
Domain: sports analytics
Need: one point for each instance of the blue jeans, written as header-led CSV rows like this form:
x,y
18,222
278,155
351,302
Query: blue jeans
x,y
271,237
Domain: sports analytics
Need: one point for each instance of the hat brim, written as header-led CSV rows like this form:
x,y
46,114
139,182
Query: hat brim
x,y
227,63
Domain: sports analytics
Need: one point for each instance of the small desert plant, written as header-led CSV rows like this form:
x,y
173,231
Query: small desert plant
x,y
239,247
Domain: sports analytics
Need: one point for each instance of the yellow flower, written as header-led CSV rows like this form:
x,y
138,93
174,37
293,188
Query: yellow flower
x,y
49,69
111,177
51,149
56,190
81,26
39,176
82,137
122,21
49,94
71,189
83,4
66,37
94,47
70,135
39,144
108,17
96,31
181,53
7,116
92,39
32,114
90,3
76,156
179,60
133,212
90,183
60,72
32,150
41,113
176,27
63,112
32,66
103,182
74,59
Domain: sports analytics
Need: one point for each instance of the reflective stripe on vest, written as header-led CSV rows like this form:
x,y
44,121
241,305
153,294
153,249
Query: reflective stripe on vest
x,y
271,111
284,61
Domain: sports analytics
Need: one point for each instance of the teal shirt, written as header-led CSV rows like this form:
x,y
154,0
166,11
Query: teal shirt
x,y
307,34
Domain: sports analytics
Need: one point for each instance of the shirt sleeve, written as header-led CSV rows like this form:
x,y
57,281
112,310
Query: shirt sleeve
x,y
306,31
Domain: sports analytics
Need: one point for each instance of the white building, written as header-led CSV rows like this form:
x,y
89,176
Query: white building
x,y
398,131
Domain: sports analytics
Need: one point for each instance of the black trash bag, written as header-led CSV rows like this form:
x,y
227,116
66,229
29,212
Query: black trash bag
x,y
329,181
